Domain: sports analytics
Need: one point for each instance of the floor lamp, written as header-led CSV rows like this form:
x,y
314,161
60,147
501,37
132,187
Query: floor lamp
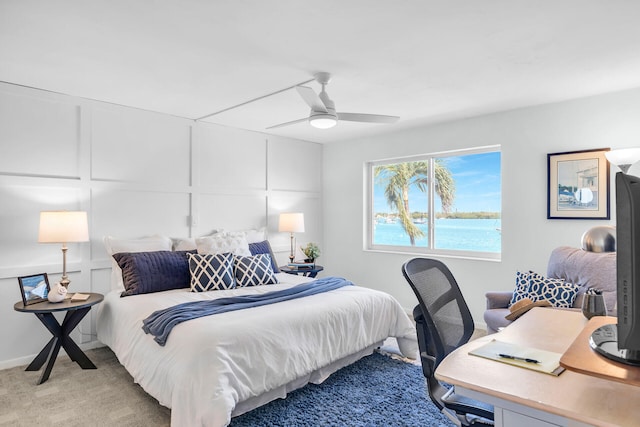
x,y
63,227
624,158
292,223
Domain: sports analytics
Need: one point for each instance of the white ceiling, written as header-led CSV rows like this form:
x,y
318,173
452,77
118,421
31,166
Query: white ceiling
x,y
425,61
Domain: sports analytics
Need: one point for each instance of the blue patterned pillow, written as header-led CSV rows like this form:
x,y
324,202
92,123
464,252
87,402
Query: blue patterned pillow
x,y
211,272
264,248
522,286
558,292
254,270
146,272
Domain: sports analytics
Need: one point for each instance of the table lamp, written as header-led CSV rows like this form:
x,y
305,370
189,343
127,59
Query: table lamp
x,y
293,223
63,227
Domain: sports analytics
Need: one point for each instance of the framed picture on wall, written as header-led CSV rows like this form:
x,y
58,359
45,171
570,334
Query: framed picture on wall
x,y
578,185
34,288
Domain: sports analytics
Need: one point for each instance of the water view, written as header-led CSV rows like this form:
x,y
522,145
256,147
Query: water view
x,y
459,234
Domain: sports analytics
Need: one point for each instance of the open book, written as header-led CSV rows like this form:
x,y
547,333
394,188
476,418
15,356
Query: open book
x,y
524,357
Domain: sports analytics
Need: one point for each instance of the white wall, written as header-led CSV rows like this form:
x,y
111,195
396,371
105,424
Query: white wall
x,y
137,173
526,136
140,173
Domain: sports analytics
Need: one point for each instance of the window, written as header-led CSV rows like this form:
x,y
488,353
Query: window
x,y
446,203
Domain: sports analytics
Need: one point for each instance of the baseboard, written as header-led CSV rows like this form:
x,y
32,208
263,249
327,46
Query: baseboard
x,y
25,360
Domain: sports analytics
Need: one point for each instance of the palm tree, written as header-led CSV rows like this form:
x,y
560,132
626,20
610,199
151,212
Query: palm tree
x,y
400,177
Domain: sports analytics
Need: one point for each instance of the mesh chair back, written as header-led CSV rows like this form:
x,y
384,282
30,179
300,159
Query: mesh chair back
x,y
443,323
447,315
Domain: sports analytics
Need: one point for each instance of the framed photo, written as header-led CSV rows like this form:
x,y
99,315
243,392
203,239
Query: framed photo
x,y
34,288
578,185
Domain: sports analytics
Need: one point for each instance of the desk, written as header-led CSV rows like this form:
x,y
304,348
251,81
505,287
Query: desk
x,y
74,313
522,397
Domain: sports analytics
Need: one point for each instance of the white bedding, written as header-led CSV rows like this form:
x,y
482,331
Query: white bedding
x,y
222,365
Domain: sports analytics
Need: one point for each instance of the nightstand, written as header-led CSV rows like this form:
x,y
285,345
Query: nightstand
x,y
74,313
307,272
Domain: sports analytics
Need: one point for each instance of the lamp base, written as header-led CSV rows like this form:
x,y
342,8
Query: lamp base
x,y
65,281
291,254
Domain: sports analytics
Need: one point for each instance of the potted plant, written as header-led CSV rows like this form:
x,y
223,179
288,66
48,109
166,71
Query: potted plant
x,y
311,251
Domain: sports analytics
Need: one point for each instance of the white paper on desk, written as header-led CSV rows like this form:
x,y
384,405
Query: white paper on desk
x,y
549,361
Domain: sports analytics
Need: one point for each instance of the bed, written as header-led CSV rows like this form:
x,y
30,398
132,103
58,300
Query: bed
x,y
216,367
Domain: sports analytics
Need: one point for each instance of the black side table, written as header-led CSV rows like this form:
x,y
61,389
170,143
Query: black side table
x,y
75,312
307,272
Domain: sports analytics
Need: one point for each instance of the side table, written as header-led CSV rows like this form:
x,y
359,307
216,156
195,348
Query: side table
x,y
75,312
307,272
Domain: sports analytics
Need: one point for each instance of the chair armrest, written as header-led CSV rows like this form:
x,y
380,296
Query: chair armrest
x,y
498,299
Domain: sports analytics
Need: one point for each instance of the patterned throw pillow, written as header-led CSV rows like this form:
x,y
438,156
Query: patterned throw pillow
x,y
264,247
211,272
522,287
254,270
558,292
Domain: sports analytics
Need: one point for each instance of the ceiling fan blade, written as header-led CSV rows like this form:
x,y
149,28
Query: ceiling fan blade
x,y
368,118
289,123
311,98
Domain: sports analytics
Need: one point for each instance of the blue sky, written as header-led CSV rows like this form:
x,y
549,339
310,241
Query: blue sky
x,y
477,178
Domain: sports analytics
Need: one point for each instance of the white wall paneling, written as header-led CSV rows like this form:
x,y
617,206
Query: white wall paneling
x,y
139,146
230,159
294,165
295,182
137,173
22,201
231,212
39,134
310,205
137,213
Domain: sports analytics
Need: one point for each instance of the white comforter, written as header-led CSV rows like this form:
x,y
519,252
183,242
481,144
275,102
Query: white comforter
x,y
211,365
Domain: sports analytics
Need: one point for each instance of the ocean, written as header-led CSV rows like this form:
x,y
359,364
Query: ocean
x,y
483,235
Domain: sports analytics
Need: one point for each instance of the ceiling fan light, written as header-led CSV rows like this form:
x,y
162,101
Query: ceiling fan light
x,y
323,121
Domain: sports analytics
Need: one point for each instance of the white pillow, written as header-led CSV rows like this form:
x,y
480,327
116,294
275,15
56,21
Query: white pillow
x,y
145,244
235,243
254,236
184,243
189,243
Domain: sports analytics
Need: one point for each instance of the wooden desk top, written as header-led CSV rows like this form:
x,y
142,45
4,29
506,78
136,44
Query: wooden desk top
x,y
572,395
581,358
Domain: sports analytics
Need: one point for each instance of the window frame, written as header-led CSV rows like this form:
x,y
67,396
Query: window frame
x,y
369,221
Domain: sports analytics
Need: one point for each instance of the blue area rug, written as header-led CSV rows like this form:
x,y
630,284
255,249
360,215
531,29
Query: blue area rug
x,y
375,391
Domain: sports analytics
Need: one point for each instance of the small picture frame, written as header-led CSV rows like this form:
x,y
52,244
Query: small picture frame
x,y
578,185
34,288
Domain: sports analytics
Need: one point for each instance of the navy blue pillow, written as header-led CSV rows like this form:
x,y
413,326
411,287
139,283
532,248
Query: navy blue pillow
x,y
147,272
264,248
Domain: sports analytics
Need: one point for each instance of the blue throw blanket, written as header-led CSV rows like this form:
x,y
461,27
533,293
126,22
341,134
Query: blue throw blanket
x,y
161,322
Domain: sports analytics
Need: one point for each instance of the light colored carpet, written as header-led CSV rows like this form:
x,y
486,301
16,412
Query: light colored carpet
x,y
106,396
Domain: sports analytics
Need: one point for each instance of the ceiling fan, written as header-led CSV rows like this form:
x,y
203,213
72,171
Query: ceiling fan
x,y
323,113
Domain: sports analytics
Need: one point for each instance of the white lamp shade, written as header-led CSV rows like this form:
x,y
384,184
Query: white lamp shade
x,y
624,156
63,227
291,222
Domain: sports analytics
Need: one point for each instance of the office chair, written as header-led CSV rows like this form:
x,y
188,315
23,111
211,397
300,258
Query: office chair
x,y
443,323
